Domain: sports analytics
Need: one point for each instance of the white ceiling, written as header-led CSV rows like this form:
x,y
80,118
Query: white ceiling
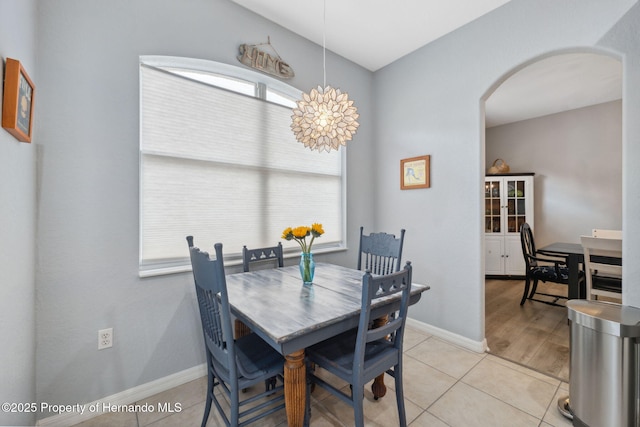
x,y
374,33
555,84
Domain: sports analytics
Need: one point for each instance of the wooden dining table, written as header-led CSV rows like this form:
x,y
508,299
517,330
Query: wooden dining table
x,y
289,316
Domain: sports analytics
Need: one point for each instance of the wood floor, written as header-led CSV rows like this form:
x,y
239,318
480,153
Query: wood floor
x,y
535,334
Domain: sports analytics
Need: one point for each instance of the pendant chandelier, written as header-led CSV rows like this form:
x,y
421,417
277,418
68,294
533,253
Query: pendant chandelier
x,y
324,119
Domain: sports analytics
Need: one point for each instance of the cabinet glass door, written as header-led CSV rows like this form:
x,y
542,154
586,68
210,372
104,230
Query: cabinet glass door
x,y
492,192
516,212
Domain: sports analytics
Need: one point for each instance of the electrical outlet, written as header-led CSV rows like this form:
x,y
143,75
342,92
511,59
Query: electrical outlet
x,y
105,338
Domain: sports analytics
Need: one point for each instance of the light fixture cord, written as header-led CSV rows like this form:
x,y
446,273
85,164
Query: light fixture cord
x,y
324,43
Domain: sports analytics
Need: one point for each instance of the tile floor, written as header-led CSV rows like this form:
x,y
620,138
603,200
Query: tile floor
x,y
444,386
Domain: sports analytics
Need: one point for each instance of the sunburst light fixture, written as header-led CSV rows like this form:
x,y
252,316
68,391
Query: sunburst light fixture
x,y
324,119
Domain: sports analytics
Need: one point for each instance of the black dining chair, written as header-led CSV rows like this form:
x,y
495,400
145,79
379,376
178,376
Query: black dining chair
x,y
360,355
380,253
232,365
541,267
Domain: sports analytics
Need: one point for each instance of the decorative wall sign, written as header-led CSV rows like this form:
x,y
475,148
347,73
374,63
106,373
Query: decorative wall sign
x,y
17,105
252,56
414,172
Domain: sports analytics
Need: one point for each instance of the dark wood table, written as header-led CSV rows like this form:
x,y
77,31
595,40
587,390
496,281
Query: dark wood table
x,y
575,255
291,317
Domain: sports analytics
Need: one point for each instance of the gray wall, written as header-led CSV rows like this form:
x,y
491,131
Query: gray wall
x,y
88,224
17,225
577,158
431,102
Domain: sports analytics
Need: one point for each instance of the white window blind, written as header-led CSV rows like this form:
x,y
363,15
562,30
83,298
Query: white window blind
x,y
225,167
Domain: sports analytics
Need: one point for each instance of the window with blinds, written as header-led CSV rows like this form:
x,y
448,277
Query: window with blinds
x,y
218,161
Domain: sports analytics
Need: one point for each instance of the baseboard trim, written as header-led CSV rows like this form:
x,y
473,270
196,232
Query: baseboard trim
x,y
504,277
126,397
132,395
459,340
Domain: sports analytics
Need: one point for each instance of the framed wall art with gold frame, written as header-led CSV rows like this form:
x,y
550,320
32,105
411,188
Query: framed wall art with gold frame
x,y
17,105
414,172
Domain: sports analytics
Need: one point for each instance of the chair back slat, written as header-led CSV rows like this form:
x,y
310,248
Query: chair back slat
x,y
608,234
387,329
210,317
274,254
381,253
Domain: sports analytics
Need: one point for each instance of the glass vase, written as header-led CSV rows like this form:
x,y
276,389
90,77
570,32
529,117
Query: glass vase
x,y
307,268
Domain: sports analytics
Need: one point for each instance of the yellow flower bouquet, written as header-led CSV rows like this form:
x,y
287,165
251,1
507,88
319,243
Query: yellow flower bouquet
x,y
300,234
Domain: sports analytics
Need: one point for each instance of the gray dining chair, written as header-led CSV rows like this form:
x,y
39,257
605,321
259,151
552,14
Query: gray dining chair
x,y
232,365
358,356
269,257
380,253
272,256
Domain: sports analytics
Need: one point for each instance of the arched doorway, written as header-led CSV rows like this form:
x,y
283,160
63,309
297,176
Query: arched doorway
x,y
558,116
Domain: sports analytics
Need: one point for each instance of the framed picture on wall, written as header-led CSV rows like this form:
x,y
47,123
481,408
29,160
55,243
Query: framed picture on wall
x,y
17,105
414,172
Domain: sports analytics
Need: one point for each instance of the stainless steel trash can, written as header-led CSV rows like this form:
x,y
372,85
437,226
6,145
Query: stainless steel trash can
x,y
604,365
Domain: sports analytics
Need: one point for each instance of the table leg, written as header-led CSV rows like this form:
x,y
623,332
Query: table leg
x,y
241,329
573,262
378,388
295,380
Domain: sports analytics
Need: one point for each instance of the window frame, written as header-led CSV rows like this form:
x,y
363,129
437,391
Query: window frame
x,y
263,83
